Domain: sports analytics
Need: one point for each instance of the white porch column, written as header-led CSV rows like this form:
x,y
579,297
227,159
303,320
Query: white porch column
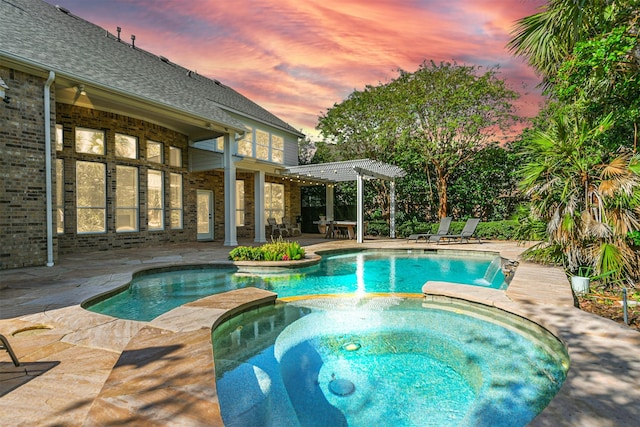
x,y
360,207
329,202
392,209
230,232
258,179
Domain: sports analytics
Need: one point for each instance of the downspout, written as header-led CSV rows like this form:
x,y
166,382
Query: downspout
x,y
47,162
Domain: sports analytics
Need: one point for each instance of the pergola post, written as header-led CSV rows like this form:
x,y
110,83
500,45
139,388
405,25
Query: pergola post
x,y
329,202
392,209
260,236
360,215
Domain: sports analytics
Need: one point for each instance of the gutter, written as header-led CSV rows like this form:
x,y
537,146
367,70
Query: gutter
x,y
47,162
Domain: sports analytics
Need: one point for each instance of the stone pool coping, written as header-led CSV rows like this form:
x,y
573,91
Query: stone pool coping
x,y
161,372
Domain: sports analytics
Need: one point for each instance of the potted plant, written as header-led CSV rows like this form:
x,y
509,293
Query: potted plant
x,y
581,280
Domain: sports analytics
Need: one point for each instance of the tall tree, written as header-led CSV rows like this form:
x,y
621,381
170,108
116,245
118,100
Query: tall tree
x,y
432,120
446,112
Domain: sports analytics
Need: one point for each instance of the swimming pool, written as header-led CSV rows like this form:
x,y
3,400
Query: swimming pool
x,y
384,361
370,271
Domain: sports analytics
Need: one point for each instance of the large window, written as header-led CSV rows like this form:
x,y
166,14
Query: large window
x,y
245,145
277,149
154,152
59,138
175,196
175,157
262,145
91,197
274,201
59,196
126,198
126,146
90,141
240,202
155,201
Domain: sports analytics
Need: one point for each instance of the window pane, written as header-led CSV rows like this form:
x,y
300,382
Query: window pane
x,y
220,143
155,191
262,152
89,141
59,195
277,142
126,146
90,197
274,201
175,157
245,145
239,202
126,198
59,138
277,156
175,195
154,151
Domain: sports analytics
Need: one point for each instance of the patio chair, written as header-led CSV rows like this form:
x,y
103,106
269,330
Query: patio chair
x,y
292,229
4,345
277,230
443,229
467,233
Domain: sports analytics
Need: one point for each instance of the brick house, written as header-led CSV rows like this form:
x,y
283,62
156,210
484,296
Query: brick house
x,y
104,145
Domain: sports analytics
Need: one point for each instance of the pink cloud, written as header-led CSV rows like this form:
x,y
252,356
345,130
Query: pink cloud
x,y
298,58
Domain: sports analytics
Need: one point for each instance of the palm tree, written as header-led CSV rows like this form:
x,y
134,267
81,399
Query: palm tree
x,y
589,200
547,38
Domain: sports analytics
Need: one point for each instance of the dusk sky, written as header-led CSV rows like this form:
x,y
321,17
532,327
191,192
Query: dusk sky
x,y
297,58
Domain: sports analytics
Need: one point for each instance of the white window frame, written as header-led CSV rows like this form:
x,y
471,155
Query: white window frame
x,y
263,141
59,138
161,155
240,208
60,196
245,145
135,207
175,156
175,201
269,211
83,145
132,147
92,189
277,148
156,208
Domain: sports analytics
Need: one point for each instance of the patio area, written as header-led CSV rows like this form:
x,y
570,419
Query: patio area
x,y
82,368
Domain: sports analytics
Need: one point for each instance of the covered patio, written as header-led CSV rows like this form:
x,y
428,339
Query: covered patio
x,y
350,170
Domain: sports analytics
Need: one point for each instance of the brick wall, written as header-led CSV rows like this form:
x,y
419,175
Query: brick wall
x,y
23,234
22,179
70,241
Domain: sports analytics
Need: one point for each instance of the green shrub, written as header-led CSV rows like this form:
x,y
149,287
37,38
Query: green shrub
x,y
276,250
246,253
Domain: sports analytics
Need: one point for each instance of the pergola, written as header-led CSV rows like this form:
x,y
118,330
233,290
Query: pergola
x,y
352,170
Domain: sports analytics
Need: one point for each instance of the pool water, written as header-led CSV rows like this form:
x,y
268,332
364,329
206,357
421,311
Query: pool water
x,y
151,295
384,361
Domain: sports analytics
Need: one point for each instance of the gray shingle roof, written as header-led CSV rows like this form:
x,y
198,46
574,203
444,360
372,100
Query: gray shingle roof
x,y
38,33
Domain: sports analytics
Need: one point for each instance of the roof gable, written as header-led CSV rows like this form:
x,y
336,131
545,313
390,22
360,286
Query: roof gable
x,y
46,36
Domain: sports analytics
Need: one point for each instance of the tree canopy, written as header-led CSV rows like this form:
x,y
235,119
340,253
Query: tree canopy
x,y
432,120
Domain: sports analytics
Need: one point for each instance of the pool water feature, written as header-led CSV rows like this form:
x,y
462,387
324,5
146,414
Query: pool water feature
x,y
413,362
371,271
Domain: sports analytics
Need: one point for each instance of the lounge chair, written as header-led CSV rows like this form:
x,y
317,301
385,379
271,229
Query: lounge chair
x,y
467,233
443,229
4,345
